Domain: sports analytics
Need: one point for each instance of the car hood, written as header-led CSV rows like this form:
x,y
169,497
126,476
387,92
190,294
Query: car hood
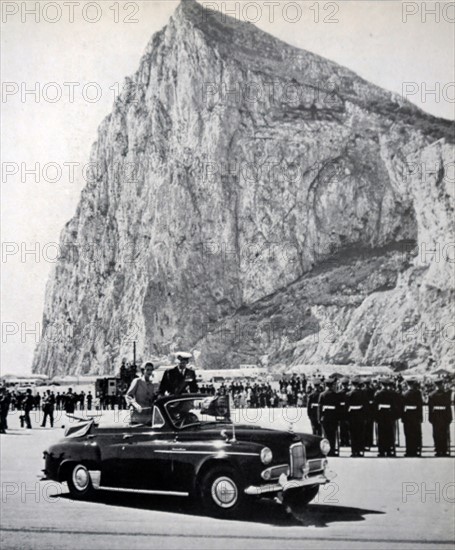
x,y
277,440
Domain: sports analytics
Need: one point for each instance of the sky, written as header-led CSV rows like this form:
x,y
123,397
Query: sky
x,y
76,57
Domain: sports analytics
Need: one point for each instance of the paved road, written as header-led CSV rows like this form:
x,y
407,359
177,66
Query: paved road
x,y
373,503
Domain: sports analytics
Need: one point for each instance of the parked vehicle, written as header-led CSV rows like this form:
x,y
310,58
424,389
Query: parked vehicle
x,y
191,448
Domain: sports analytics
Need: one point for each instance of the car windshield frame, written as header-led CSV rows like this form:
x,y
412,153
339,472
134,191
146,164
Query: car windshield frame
x,y
158,422
214,419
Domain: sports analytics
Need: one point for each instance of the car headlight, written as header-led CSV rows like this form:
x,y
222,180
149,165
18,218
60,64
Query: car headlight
x,y
325,446
266,455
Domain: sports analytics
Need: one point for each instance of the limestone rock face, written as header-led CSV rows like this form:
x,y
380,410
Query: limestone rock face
x,y
256,203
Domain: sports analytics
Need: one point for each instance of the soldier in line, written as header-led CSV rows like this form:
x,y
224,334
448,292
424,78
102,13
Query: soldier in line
x,y
4,409
440,416
369,414
313,407
386,410
89,400
344,424
356,412
329,414
412,416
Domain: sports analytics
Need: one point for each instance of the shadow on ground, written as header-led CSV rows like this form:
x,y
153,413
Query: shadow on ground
x,y
264,511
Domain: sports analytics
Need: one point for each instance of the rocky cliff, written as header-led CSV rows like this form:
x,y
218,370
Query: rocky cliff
x,y
255,202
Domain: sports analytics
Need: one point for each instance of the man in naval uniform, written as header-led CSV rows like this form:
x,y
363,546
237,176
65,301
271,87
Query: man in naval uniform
x,y
179,379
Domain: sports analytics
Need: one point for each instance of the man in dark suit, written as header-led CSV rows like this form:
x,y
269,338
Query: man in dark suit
x,y
180,379
27,406
48,408
69,403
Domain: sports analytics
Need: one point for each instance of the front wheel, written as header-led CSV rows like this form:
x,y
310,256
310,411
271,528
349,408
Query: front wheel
x,y
79,482
297,500
221,492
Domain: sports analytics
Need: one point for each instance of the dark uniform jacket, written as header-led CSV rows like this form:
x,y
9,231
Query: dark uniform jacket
x,y
370,393
175,383
5,401
69,402
28,403
357,403
386,405
412,405
48,403
343,397
313,406
329,405
439,407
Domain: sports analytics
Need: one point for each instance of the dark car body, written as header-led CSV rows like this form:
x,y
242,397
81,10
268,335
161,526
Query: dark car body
x,y
165,457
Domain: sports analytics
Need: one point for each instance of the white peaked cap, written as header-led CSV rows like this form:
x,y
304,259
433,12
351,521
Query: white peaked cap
x,y
184,354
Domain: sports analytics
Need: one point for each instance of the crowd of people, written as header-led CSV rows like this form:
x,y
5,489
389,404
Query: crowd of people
x,y
294,390
360,412
48,402
356,412
68,401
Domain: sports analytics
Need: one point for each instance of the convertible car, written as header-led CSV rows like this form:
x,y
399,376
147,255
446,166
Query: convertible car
x,y
191,448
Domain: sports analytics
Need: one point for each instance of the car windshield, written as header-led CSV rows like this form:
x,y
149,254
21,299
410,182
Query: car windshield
x,y
190,412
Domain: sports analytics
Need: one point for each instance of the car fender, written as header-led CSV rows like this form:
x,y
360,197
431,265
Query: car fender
x,y
86,454
244,458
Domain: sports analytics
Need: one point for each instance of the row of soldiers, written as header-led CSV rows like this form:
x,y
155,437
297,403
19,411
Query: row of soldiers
x,y
349,415
48,402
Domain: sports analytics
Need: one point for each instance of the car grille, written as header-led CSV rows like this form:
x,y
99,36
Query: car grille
x,y
315,465
297,460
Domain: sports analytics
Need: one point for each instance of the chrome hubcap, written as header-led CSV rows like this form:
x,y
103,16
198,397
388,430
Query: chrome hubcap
x,y
80,478
224,492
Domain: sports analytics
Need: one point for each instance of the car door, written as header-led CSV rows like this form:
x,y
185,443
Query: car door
x,y
138,458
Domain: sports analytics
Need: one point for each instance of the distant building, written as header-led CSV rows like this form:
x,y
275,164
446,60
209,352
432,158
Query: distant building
x,y
218,375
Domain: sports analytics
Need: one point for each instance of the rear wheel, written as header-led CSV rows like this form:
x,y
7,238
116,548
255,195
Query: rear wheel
x,y
297,500
79,482
221,492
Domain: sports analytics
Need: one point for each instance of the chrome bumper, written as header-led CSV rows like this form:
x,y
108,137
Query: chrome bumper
x,y
284,484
